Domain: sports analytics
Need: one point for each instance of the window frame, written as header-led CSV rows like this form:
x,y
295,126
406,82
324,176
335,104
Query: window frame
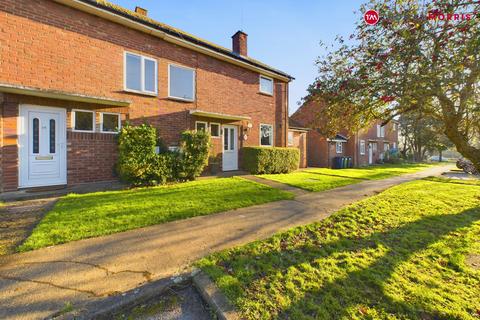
x,y
260,84
194,85
362,142
219,129
74,116
204,122
290,143
119,122
338,143
142,74
260,135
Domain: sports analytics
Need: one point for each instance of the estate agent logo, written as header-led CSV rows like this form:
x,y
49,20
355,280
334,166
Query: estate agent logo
x,y
371,17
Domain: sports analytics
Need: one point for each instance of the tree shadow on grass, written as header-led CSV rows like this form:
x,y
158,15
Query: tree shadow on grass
x,y
365,285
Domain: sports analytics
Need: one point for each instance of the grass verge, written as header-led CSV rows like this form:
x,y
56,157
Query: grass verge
x,y
83,216
398,255
321,179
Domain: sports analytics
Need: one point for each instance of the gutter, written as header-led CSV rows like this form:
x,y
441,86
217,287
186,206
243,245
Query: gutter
x,y
124,19
54,94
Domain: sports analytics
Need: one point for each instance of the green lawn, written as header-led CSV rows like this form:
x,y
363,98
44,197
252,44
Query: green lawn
x,y
403,254
77,217
321,179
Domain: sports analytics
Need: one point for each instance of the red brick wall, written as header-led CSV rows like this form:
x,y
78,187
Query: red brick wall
x,y
50,46
321,155
300,142
91,157
9,144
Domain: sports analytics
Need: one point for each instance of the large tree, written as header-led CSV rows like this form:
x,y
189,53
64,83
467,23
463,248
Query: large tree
x,y
421,57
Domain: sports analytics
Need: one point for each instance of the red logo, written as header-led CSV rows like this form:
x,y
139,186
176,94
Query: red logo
x,y
371,17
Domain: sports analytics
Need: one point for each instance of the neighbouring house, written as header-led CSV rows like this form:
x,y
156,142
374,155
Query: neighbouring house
x,y
297,138
73,71
367,146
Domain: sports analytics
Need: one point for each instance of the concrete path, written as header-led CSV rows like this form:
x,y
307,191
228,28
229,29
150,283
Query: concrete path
x,y
36,284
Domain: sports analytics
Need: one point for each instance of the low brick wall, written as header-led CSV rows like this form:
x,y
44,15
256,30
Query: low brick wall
x,y
91,157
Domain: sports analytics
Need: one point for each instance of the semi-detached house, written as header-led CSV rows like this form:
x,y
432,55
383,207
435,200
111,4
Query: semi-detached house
x,y
73,71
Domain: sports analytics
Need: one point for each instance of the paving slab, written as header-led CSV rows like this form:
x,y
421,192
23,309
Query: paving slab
x,y
37,284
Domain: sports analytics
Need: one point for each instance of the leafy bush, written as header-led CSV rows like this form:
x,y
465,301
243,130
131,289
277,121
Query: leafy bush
x,y
393,157
139,164
260,160
194,153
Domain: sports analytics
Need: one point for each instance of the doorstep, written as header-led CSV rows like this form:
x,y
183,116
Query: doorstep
x,y
58,191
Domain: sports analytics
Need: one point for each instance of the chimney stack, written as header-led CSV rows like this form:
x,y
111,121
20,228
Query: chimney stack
x,y
239,43
141,11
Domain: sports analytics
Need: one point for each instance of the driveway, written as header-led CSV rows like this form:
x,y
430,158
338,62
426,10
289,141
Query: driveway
x,y
38,283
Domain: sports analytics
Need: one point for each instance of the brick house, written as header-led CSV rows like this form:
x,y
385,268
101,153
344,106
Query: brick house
x,y
367,146
72,71
297,138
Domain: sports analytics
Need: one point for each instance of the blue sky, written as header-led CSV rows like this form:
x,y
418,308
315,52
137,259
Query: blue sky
x,y
283,33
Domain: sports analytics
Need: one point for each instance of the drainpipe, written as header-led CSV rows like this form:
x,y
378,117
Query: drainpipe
x,y
286,112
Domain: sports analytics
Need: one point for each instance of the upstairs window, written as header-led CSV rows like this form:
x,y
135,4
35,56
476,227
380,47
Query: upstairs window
x,y
181,83
83,121
266,135
140,74
380,131
110,122
266,85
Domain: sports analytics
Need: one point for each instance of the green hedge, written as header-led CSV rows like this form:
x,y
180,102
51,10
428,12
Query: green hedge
x,y
260,160
139,164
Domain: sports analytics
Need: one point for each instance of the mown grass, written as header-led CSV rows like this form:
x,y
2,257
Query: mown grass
x,y
77,217
398,255
321,179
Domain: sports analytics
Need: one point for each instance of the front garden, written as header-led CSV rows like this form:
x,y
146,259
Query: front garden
x,y
76,217
404,254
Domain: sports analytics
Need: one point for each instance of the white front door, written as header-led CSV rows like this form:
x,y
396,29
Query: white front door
x,y
42,146
370,153
230,148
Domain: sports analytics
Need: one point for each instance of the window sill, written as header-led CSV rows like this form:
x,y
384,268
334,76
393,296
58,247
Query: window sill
x,y
83,131
149,94
180,99
266,93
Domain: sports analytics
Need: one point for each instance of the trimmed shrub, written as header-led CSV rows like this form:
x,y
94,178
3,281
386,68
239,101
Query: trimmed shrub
x,y
137,161
260,160
139,164
194,151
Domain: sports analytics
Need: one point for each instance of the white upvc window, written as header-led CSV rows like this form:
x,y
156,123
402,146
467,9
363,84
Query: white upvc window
x,y
362,147
83,120
386,146
394,126
290,138
380,131
201,126
395,146
266,135
110,122
140,74
181,83
266,85
339,147
215,130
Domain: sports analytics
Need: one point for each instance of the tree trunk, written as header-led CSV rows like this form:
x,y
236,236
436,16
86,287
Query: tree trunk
x,y
440,154
462,144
